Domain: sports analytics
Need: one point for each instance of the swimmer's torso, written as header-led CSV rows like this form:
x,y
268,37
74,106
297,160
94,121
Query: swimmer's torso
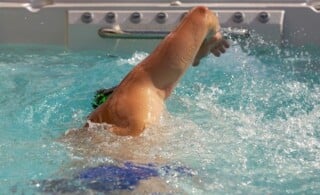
x,y
135,103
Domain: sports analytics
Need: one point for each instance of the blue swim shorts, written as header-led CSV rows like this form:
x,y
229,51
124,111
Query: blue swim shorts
x,y
106,178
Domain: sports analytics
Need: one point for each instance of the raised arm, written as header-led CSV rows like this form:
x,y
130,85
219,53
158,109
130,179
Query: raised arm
x,y
195,37
138,101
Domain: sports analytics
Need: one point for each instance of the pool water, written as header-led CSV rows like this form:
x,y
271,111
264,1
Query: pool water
x,y
245,123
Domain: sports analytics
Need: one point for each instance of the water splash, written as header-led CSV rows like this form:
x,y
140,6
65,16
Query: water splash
x,y
244,123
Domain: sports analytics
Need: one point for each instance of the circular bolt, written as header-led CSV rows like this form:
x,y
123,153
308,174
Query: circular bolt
x,y
136,17
87,17
162,17
238,17
264,17
110,17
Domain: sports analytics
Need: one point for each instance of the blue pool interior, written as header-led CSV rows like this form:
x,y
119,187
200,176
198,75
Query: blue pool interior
x,y
247,122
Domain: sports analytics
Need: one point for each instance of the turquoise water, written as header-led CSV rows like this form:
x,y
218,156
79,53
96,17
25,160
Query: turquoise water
x,y
245,123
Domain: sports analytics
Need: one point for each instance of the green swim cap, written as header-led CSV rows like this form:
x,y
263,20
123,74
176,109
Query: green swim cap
x,y
101,96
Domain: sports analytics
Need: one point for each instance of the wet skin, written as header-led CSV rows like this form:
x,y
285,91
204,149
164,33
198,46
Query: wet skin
x,y
138,101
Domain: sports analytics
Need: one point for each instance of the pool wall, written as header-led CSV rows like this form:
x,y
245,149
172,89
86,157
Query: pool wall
x,y
76,25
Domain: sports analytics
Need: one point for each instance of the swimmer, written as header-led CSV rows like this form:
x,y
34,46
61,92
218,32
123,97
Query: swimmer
x,y
138,101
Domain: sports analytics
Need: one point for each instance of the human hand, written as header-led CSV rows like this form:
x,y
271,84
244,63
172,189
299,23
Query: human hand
x,y
215,45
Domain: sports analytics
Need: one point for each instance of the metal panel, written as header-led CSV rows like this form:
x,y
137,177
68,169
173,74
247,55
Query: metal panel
x,y
293,23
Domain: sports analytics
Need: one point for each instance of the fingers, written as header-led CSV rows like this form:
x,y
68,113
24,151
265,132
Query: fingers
x,y
219,45
225,43
196,63
219,49
215,52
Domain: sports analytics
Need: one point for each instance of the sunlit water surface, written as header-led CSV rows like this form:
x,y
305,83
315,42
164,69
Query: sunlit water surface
x,y
247,122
